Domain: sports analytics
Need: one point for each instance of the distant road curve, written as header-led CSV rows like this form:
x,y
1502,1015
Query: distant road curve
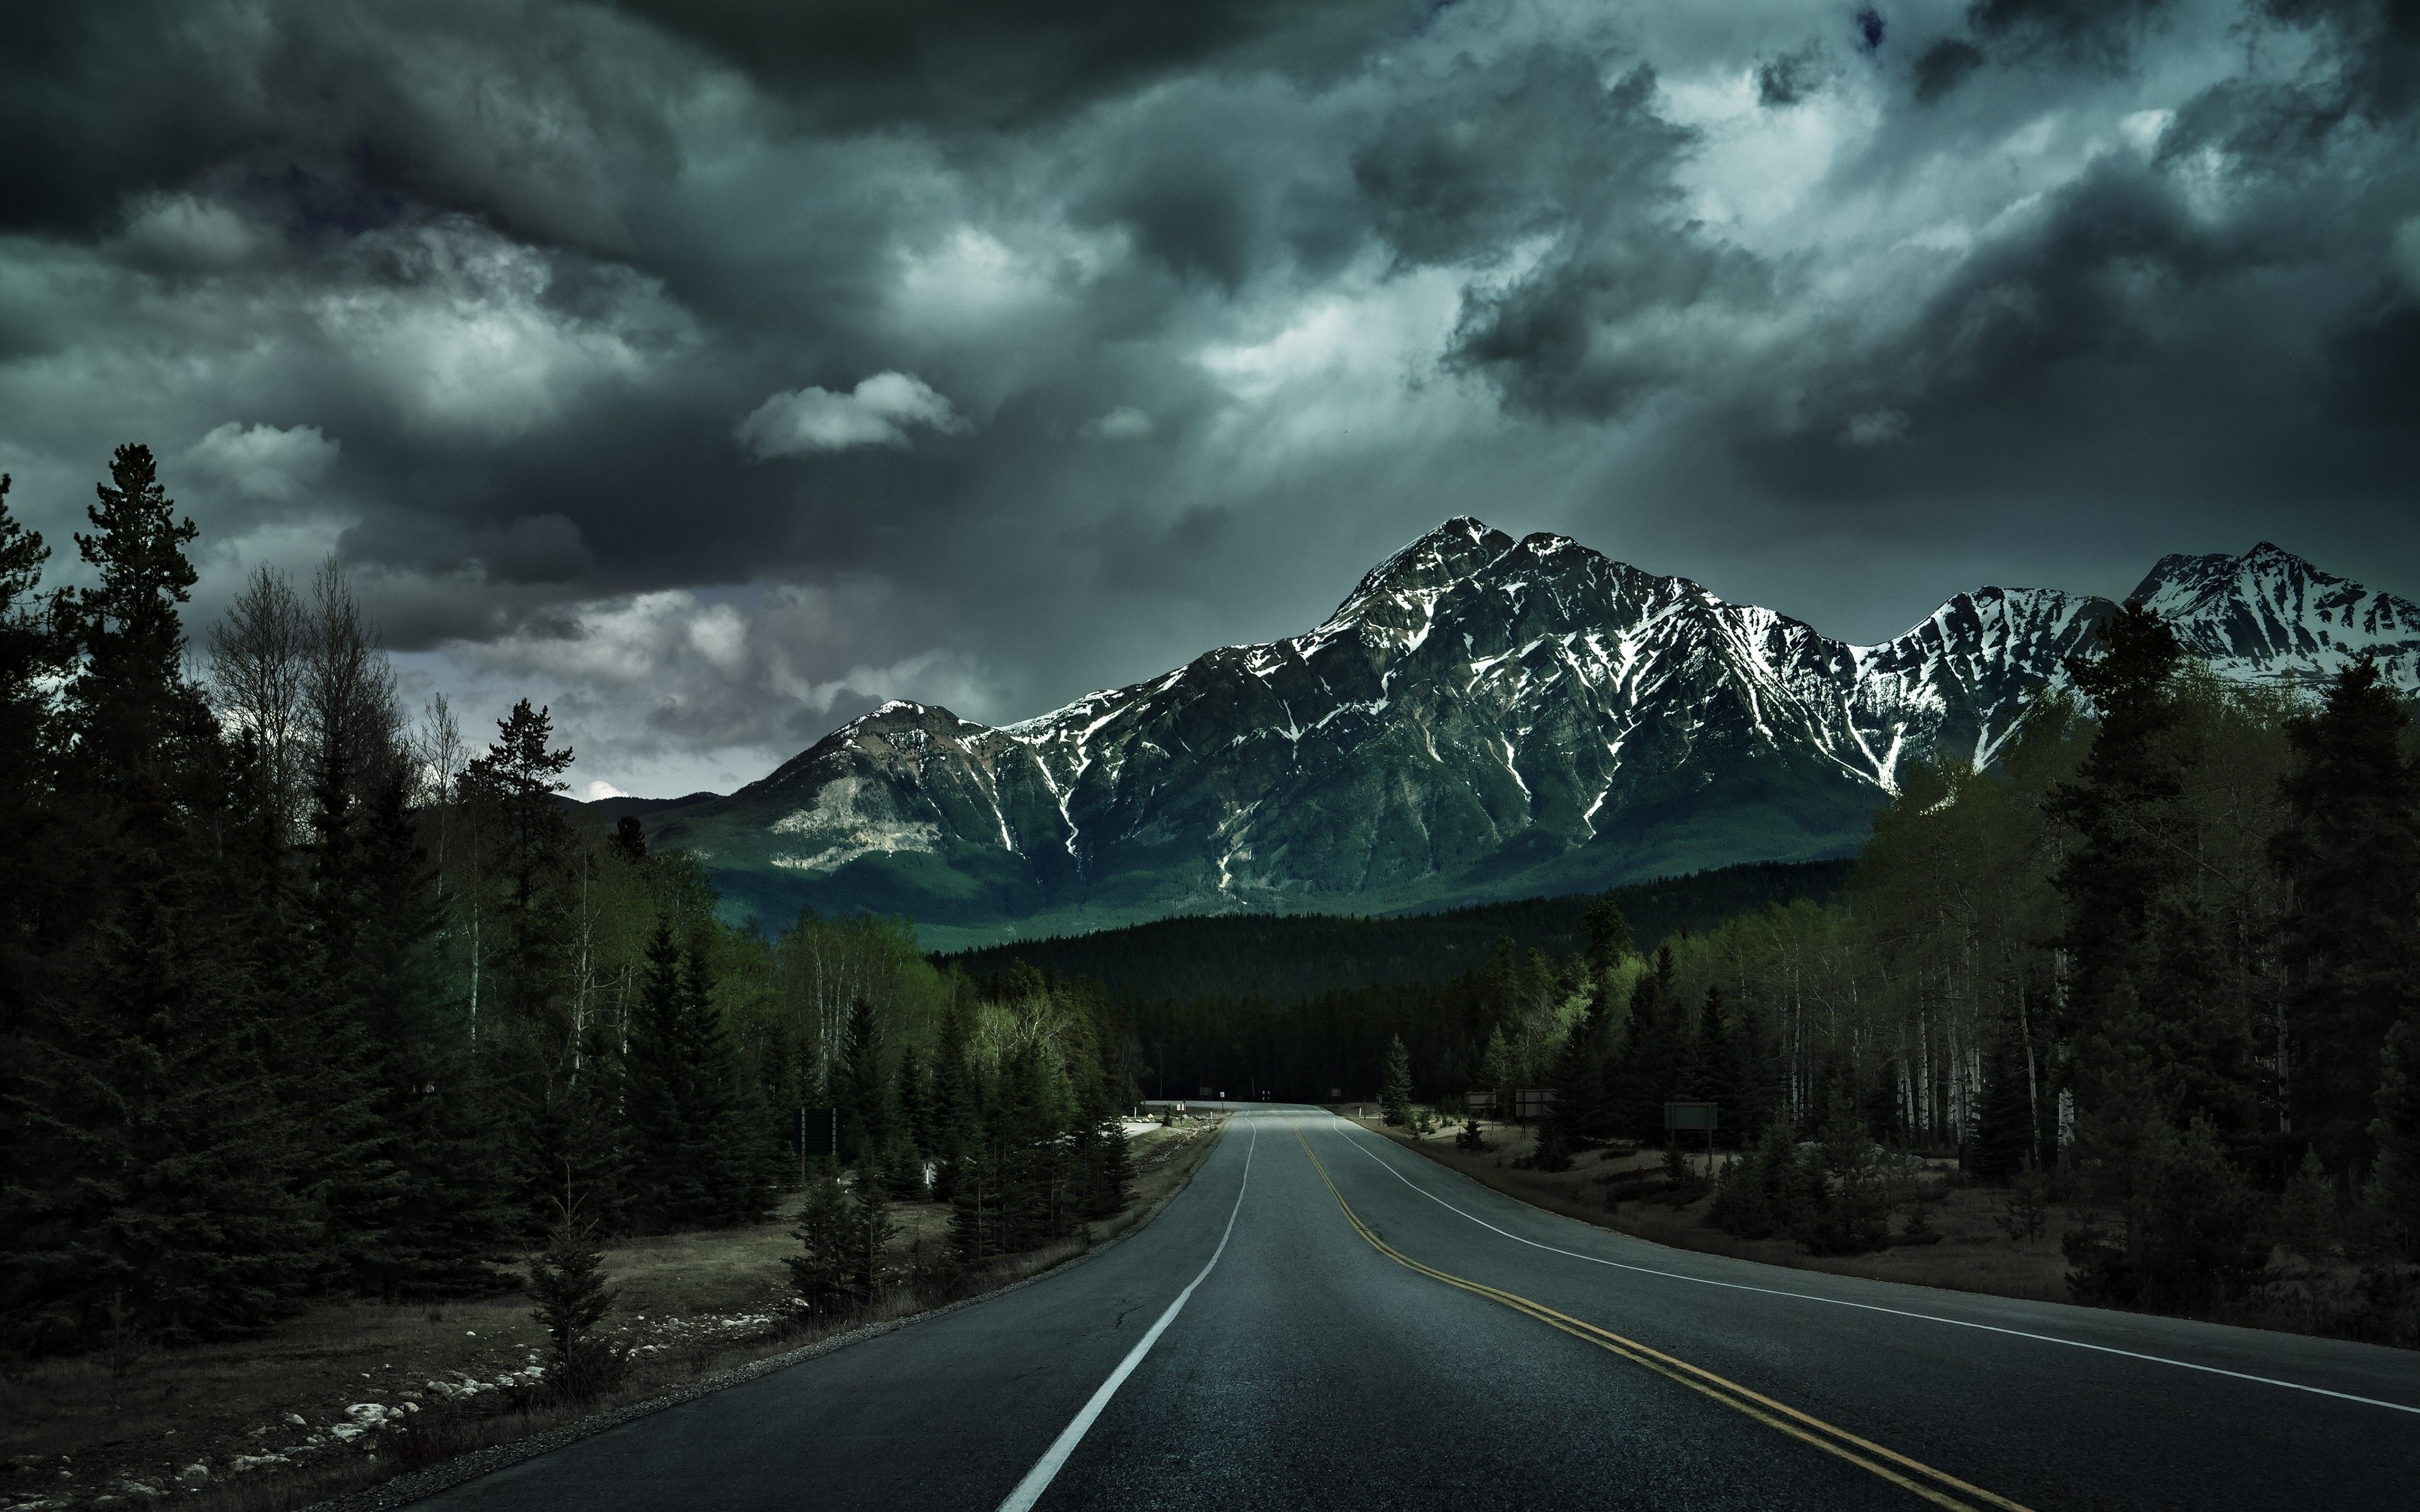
x,y
1321,1319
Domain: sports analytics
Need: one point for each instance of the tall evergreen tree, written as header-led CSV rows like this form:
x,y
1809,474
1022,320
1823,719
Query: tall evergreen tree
x,y
955,1102
862,1093
153,1175
1609,939
1395,1092
2351,937
723,1118
665,1192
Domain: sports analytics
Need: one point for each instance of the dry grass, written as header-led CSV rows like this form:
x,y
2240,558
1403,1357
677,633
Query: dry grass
x,y
86,1431
1972,1254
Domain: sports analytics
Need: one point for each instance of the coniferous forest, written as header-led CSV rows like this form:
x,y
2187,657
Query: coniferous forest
x,y
305,995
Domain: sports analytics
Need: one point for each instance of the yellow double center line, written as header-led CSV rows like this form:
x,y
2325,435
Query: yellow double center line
x,y
1934,1486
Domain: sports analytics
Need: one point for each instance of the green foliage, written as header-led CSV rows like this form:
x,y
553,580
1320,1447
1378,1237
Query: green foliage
x,y
1845,1209
1287,960
820,1269
2350,936
2026,1215
2188,1229
867,1231
567,1283
1761,1191
1395,1092
2306,1212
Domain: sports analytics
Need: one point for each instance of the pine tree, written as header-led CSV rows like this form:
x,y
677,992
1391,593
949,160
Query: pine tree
x,y
2003,1141
2394,1197
2352,937
451,1226
722,1115
819,1270
1721,1075
1609,939
954,1105
2146,1021
861,1094
914,1101
1395,1092
869,1234
152,1155
333,1062
665,1191
33,649
566,1282
1495,1070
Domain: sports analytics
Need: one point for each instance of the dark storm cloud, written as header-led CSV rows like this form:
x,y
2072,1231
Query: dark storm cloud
x,y
718,370
1944,66
1790,77
1541,145
528,114
992,63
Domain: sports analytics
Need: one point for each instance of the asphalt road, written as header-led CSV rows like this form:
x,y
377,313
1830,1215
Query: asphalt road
x,y
1360,1328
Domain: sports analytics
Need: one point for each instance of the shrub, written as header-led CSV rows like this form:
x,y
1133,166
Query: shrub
x,y
2187,1233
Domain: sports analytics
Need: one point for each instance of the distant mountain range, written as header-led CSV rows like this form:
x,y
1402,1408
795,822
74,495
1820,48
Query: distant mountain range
x,y
1480,718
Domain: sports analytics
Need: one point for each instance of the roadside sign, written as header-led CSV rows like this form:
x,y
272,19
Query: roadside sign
x,y
1532,1101
1478,1102
1694,1117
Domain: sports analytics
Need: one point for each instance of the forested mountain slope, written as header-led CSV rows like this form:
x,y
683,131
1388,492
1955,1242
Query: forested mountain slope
x,y
1285,957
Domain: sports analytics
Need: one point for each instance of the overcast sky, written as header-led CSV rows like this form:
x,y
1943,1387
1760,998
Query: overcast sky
x,y
714,370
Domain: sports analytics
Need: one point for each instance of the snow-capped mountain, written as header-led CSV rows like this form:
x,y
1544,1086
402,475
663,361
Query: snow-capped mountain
x,y
1481,717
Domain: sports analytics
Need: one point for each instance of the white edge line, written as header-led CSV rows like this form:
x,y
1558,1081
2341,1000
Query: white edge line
x,y
1046,1469
1867,1307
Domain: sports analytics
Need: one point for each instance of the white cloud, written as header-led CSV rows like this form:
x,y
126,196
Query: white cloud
x,y
262,461
1125,423
879,411
600,790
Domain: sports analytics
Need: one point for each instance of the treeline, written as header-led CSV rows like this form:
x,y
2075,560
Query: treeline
x,y
300,996
1287,958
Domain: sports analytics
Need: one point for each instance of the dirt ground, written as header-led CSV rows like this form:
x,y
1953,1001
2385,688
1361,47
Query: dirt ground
x,y
1973,1253
346,1394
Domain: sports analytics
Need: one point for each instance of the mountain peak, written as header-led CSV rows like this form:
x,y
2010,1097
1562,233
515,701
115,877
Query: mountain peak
x,y
1452,551
2182,577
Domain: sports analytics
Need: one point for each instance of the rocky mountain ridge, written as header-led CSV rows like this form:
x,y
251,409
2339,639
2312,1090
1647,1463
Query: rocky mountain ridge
x,y
1481,718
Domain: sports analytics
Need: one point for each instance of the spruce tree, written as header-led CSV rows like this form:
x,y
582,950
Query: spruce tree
x,y
2395,1195
819,1269
954,1105
1609,939
2002,1143
665,1192
566,1282
451,1226
1395,1092
723,1114
152,1165
861,1092
869,1235
2350,939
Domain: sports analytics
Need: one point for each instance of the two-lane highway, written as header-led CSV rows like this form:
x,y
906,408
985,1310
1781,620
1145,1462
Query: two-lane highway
x,y
1323,1320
